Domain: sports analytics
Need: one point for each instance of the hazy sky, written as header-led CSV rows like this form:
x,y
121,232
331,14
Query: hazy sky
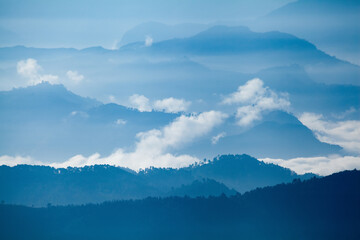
x,y
79,24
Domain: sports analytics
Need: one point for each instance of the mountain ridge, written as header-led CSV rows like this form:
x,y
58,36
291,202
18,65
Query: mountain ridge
x,y
39,185
308,209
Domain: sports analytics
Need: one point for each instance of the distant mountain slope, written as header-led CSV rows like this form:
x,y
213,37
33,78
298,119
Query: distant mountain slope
x,y
159,32
162,74
307,95
242,50
324,208
332,25
39,185
50,123
42,100
277,135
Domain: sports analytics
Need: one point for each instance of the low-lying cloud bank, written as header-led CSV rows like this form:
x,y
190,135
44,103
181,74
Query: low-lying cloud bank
x,y
31,70
152,148
343,133
319,165
33,73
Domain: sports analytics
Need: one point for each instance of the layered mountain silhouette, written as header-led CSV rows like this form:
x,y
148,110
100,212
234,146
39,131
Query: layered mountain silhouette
x,y
159,32
319,208
240,49
201,68
332,25
277,135
307,95
228,174
49,122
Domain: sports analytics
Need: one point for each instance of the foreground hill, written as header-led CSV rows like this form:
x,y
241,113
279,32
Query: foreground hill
x,y
325,208
40,185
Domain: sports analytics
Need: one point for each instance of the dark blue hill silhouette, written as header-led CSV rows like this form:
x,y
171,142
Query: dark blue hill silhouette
x,y
39,185
205,188
239,172
277,135
319,208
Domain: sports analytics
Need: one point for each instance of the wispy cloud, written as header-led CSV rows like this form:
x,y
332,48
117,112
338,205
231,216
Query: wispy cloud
x,y
169,105
120,121
215,139
17,160
152,148
140,102
319,165
343,133
31,70
74,76
148,41
254,99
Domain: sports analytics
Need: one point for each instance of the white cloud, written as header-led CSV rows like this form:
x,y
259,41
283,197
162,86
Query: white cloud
x,y
343,133
215,139
148,41
120,122
152,148
140,102
13,161
115,45
343,115
247,114
112,99
74,76
30,69
248,93
318,165
171,105
79,114
254,98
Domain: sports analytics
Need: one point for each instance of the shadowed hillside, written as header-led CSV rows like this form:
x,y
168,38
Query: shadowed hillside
x,y
325,208
40,185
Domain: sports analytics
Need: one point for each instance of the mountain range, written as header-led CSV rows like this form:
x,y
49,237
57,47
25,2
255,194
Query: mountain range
x,y
228,174
318,208
241,50
48,122
222,57
332,25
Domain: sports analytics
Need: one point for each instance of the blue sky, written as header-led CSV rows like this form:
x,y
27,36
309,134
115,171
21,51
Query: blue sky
x,y
82,24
